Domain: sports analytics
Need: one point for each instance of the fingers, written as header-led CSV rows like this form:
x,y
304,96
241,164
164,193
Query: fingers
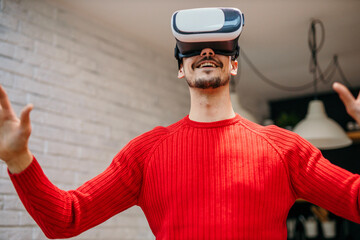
x,y
25,116
352,105
344,93
4,100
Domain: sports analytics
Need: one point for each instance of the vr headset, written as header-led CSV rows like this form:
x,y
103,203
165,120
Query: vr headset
x,y
199,28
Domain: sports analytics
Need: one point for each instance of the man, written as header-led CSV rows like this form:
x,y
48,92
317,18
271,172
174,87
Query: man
x,y
212,175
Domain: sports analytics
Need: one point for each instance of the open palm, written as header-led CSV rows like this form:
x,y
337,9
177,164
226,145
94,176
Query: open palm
x,y
14,132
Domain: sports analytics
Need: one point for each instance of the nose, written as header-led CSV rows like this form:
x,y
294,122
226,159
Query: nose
x,y
206,52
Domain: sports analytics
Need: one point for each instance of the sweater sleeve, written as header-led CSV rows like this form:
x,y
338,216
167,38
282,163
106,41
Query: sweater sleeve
x,y
63,214
315,179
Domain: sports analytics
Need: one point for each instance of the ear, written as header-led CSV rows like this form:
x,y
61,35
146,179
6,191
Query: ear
x,y
181,73
234,67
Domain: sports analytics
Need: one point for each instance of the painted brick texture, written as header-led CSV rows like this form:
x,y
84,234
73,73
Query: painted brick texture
x,y
93,90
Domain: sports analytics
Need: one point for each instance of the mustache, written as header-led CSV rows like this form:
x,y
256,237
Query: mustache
x,y
207,58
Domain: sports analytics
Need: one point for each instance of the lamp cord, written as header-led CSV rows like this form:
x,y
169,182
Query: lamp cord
x,y
318,75
269,81
314,69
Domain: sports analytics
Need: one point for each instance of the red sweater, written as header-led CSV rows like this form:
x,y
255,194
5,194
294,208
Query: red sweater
x,y
230,179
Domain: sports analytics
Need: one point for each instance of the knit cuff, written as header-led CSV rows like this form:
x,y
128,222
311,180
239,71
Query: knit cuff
x,y
28,179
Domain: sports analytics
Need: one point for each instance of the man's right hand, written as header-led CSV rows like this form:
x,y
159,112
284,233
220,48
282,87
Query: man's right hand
x,y
14,135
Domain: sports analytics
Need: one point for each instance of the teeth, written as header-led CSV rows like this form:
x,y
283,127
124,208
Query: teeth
x,y
207,65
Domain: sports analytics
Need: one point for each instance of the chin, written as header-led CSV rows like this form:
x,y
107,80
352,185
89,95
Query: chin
x,y
208,83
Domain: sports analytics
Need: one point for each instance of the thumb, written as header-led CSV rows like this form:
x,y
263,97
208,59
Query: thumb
x,y
344,93
25,116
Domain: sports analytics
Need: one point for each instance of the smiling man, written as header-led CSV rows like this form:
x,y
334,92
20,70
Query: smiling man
x,y
207,70
211,175
208,77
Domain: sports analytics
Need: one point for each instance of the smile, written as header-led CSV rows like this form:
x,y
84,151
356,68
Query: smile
x,y
207,64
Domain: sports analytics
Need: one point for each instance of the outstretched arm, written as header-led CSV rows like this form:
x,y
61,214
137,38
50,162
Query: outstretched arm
x,y
352,105
14,135
314,178
60,213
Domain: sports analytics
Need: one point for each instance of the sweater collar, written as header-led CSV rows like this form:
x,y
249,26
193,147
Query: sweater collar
x,y
221,123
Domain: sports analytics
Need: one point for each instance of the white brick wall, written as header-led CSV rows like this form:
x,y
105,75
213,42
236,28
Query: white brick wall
x,y
93,91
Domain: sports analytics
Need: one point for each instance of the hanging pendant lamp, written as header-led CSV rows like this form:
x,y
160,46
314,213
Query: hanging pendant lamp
x,y
323,132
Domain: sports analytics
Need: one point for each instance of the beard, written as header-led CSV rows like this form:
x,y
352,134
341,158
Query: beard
x,y
204,83
208,82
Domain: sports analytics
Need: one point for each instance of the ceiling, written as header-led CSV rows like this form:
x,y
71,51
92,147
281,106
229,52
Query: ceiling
x,y
275,37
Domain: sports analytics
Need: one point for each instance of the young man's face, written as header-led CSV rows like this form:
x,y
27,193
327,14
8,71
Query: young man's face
x,y
207,70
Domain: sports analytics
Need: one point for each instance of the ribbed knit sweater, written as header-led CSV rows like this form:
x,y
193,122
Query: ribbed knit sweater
x,y
230,179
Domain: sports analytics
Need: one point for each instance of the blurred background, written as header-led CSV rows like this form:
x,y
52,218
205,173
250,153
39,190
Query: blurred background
x,y
102,72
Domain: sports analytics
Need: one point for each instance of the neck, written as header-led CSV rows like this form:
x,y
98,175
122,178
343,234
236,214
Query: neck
x,y
210,105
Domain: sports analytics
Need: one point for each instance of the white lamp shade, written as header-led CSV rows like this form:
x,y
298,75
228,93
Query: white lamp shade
x,y
239,109
323,132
